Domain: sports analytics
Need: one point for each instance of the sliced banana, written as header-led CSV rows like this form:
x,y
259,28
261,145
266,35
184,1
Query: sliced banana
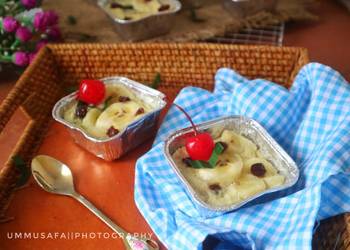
x,y
224,173
274,181
232,141
89,123
151,6
238,144
118,115
90,118
69,113
231,181
249,185
226,196
270,170
118,90
117,12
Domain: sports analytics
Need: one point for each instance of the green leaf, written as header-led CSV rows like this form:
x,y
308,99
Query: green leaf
x,y
194,17
200,164
71,89
218,149
156,81
105,104
71,20
22,168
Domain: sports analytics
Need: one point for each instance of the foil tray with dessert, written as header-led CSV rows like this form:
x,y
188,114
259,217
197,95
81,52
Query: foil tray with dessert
x,y
111,116
137,20
225,163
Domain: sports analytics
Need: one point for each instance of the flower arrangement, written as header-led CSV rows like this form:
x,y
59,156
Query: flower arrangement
x,y
24,29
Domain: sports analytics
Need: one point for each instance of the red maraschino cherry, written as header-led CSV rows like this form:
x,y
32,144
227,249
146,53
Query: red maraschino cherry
x,y
201,145
91,91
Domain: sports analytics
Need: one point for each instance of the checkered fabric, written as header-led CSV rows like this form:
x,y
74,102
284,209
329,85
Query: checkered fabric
x,y
311,121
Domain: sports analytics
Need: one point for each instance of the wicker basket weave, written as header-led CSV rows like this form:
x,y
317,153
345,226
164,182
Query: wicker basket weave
x,y
61,65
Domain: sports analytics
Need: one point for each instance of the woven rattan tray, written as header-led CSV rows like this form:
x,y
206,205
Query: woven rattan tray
x,y
59,66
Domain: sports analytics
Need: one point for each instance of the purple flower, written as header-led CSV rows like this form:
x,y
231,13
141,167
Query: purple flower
x,y
23,34
42,20
20,58
54,33
9,24
29,4
40,44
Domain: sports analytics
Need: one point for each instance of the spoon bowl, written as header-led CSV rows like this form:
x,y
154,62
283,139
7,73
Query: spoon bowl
x,y
52,175
56,177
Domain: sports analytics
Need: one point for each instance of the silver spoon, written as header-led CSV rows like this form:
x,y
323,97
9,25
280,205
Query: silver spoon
x,y
55,177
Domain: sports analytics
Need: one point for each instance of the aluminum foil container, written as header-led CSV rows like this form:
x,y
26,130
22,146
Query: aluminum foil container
x,y
134,134
147,27
243,8
252,130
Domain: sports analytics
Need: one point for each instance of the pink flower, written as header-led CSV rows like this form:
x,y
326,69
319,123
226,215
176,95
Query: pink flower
x,y
29,4
31,57
54,33
20,58
9,24
23,34
52,17
42,20
40,44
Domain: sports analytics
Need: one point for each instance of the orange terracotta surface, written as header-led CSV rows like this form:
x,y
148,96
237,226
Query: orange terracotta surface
x,y
110,185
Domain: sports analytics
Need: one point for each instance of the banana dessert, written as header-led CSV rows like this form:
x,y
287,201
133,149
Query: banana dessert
x,y
135,9
240,171
116,107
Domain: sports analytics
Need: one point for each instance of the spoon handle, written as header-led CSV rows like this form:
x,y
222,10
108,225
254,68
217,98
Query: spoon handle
x,y
99,214
130,242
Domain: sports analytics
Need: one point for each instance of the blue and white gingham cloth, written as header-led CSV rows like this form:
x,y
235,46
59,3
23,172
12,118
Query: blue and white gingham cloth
x,y
311,122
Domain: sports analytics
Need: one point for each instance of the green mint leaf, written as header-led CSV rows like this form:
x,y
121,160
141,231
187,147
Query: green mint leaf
x,y
156,81
22,169
218,148
211,163
200,164
106,103
215,155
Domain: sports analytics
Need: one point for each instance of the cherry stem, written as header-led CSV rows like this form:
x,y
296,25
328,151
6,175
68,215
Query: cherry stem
x,y
189,118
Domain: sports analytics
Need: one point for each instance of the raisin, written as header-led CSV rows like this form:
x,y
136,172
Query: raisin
x,y
127,19
187,161
112,131
139,111
115,5
164,7
123,99
81,110
258,169
224,145
215,187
